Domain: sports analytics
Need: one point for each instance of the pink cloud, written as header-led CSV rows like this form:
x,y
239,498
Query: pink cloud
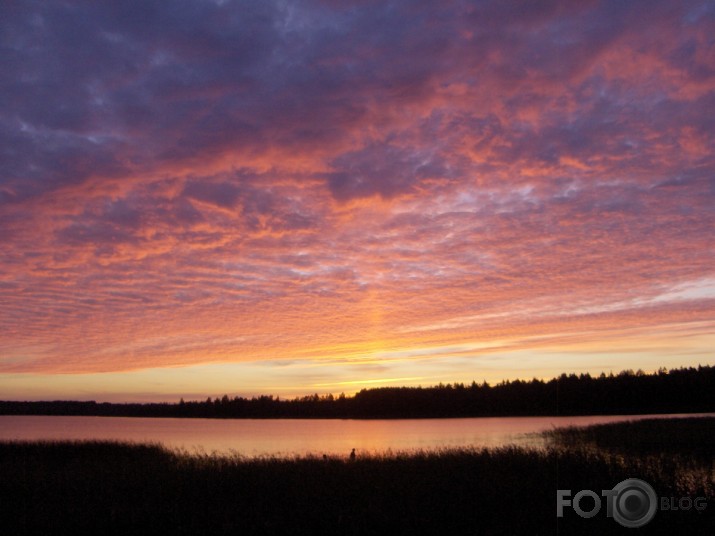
x,y
220,184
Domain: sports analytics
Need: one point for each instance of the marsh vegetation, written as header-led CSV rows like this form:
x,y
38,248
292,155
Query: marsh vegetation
x,y
123,488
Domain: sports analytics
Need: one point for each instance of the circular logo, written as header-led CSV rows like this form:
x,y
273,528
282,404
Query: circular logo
x,y
635,504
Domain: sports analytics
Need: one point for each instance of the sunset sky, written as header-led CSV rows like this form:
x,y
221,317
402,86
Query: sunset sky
x,y
205,197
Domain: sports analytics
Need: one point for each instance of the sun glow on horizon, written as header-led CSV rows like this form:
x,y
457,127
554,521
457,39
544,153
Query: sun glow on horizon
x,y
481,192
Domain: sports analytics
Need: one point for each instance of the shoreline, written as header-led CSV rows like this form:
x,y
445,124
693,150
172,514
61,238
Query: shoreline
x,y
117,488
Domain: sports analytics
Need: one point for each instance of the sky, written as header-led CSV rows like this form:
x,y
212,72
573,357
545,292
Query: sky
x,y
204,197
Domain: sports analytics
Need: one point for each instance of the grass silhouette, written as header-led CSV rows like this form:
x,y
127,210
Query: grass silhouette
x,y
124,488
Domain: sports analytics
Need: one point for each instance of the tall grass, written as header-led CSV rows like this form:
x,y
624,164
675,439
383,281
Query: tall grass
x,y
678,452
121,488
691,436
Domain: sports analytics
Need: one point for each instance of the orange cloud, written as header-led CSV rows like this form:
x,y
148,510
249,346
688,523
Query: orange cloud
x,y
363,186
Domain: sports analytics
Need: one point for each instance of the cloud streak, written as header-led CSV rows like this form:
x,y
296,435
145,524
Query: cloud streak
x,y
234,182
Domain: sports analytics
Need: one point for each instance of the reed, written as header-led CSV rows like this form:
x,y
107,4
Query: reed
x,y
124,488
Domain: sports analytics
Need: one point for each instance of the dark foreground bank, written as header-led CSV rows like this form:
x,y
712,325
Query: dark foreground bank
x,y
113,488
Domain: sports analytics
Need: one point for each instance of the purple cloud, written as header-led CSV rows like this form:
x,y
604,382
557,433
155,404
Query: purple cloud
x,y
343,171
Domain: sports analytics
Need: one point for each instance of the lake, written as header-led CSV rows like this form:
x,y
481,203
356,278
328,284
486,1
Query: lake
x,y
288,437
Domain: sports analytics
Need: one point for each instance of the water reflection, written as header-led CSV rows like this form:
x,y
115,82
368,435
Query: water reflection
x,y
287,437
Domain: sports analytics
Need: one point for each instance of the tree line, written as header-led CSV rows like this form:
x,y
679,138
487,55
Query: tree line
x,y
683,390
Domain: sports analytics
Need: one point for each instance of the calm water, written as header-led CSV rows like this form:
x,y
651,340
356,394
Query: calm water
x,y
254,437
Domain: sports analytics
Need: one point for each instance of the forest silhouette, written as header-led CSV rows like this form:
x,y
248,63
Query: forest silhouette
x,y
683,390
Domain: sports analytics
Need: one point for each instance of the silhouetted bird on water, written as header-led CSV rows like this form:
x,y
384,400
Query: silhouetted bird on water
x,y
352,454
